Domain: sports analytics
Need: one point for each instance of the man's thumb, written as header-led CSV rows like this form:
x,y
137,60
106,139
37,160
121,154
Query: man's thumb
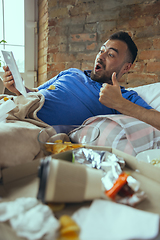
x,y
114,79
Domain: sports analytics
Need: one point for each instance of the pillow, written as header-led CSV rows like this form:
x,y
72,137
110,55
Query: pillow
x,y
150,93
124,133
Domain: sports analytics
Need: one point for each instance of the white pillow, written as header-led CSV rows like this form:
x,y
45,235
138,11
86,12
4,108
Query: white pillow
x,y
150,93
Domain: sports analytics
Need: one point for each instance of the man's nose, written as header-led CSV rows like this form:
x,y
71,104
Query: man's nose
x,y
102,55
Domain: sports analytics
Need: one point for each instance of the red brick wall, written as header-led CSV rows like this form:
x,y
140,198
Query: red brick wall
x,y
72,31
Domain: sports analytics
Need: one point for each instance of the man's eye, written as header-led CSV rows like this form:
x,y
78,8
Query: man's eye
x,y
101,51
111,55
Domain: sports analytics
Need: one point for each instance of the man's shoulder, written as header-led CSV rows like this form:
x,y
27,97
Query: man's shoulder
x,y
72,70
128,91
76,71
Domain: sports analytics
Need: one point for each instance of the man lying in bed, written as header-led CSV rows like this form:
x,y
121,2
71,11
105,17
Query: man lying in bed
x,y
76,94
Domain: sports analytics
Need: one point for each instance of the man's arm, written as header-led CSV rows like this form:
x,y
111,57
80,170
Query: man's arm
x,y
110,96
8,82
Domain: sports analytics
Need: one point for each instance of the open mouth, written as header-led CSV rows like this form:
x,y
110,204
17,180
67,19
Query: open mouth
x,y
98,67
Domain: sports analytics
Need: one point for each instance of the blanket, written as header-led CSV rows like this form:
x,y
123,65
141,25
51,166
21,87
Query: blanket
x,y
18,136
19,142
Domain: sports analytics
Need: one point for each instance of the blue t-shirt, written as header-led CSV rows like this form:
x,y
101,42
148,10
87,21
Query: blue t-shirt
x,y
76,98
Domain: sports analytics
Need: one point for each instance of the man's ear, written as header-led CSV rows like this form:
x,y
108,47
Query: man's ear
x,y
126,67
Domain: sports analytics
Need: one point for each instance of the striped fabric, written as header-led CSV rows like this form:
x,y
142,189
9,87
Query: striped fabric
x,y
124,133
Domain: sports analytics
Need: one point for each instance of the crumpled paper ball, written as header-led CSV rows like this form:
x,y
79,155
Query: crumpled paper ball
x,y
30,218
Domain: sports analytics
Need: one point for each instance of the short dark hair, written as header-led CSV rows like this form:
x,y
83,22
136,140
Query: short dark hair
x,y
124,36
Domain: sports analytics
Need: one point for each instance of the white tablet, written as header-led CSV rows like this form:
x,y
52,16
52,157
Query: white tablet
x,y
11,63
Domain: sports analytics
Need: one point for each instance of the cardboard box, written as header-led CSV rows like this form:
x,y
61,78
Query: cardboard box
x,y
23,180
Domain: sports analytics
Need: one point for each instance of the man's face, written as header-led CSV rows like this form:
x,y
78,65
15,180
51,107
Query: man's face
x,y
111,58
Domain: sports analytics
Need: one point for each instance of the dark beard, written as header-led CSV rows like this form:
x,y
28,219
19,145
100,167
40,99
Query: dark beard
x,y
102,79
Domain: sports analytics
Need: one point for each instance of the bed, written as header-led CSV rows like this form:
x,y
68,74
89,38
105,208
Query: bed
x,y
117,131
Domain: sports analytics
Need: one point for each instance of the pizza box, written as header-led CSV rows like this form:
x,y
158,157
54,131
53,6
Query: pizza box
x,y
24,180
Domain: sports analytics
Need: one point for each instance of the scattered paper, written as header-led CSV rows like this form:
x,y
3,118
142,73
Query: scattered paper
x,y
108,220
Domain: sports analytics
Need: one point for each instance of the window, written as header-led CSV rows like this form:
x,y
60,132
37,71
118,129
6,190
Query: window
x,y
18,24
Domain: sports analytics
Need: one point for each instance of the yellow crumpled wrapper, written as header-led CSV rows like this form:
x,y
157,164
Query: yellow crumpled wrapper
x,y
69,230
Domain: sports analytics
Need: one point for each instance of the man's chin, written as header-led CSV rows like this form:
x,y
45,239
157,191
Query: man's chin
x,y
98,78
95,77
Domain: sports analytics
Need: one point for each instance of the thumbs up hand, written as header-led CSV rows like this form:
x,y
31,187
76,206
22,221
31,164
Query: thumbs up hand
x,y
110,95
